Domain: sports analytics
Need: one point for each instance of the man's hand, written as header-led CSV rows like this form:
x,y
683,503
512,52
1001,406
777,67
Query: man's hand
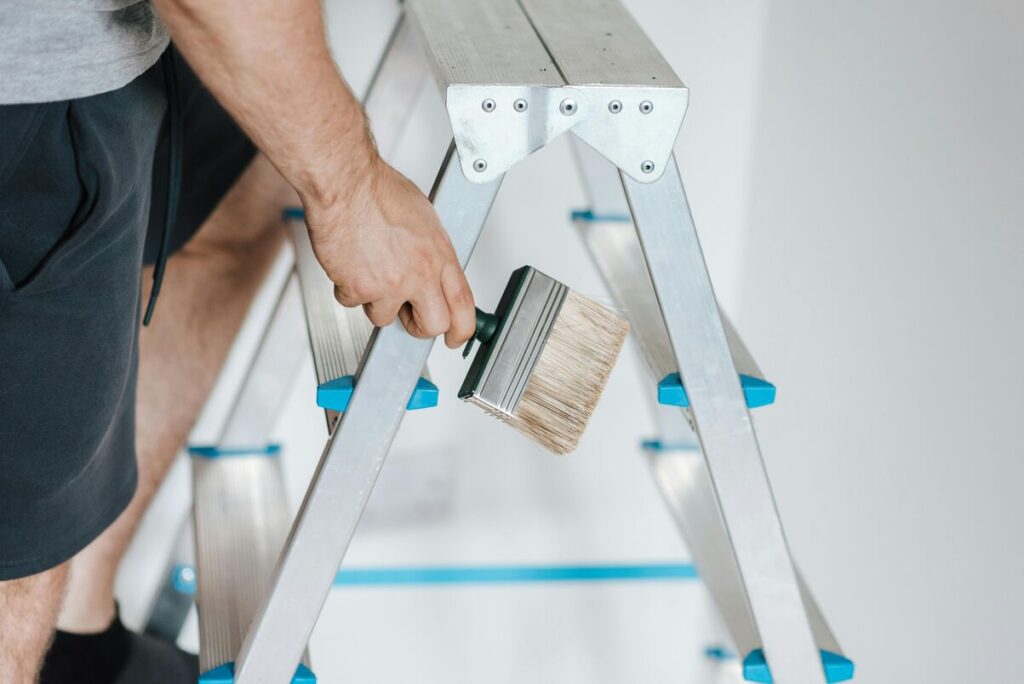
x,y
375,234
385,249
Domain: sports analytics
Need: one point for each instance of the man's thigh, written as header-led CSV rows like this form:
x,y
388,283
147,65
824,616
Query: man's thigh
x,y
74,202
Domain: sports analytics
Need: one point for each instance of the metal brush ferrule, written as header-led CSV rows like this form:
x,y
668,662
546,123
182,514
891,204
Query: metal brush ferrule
x,y
502,369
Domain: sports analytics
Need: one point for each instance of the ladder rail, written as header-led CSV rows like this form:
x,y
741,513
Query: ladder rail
x,y
258,400
240,506
681,475
672,250
352,459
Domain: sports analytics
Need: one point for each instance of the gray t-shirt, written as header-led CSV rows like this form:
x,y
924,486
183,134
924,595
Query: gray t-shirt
x,y
63,49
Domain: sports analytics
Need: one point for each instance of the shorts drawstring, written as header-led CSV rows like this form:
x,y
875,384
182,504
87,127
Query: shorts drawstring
x,y
175,130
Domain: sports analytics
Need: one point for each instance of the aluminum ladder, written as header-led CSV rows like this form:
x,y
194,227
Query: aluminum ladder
x,y
514,75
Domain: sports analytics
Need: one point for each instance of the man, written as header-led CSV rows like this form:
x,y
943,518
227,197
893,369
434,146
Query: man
x,y
91,157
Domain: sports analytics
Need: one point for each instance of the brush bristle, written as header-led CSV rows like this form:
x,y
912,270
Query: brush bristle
x,y
570,374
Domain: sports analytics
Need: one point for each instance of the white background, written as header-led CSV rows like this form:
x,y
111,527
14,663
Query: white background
x,y
855,170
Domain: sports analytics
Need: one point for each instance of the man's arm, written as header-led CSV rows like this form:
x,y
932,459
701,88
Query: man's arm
x,y
374,232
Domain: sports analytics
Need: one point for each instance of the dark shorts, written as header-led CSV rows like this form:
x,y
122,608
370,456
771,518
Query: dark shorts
x,y
82,197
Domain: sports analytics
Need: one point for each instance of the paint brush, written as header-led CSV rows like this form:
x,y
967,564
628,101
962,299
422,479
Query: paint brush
x,y
545,356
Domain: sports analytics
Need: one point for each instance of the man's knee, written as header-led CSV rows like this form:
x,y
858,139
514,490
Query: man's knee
x,y
33,600
248,217
28,615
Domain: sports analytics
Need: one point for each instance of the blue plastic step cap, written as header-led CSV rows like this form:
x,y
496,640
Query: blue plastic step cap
x,y
183,579
336,394
757,391
837,668
225,674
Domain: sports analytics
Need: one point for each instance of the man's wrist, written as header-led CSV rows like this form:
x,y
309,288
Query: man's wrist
x,y
344,164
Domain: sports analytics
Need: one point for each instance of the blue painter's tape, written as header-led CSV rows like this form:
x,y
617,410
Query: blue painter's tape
x,y
658,445
757,391
718,653
509,574
837,667
183,579
513,574
336,394
225,674
588,216
293,213
210,451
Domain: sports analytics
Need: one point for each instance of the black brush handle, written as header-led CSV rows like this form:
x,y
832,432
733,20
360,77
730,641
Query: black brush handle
x,y
486,326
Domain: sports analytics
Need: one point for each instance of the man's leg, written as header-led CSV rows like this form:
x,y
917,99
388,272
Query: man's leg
x,y
207,290
28,609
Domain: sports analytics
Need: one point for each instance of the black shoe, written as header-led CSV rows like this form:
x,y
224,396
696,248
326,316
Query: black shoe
x,y
116,656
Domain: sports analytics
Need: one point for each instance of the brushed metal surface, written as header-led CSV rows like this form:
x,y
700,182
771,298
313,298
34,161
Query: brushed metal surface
x,y
482,43
598,42
519,344
728,443
241,523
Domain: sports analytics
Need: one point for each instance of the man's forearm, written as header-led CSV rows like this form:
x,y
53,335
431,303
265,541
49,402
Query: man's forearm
x,y
375,234
268,63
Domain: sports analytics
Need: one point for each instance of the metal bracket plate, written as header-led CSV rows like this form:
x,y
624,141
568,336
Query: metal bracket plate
x,y
497,126
634,128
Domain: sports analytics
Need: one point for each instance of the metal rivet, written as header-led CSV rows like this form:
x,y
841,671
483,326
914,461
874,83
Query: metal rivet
x,y
488,105
647,166
646,107
520,105
614,106
479,165
568,106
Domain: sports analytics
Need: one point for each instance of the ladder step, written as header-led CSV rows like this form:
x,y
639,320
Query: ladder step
x,y
338,335
241,520
757,391
838,668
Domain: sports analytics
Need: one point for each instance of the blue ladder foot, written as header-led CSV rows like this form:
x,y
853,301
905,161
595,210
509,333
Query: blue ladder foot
x,y
225,674
837,668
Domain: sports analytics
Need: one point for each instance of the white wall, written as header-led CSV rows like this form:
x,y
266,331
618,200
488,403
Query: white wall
x,y
854,169
882,279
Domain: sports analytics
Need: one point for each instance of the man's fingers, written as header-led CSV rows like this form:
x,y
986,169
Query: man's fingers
x,y
345,298
428,316
383,311
461,308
